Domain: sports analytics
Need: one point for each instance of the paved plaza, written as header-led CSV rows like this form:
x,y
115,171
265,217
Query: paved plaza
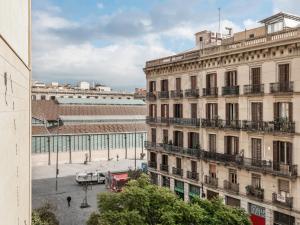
x,y
43,188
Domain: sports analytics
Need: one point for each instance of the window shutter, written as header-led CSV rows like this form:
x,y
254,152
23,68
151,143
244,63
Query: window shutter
x,y
290,153
227,111
275,155
275,110
225,145
290,111
283,185
237,111
236,145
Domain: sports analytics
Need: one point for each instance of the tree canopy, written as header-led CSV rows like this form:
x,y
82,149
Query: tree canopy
x,y
141,203
44,216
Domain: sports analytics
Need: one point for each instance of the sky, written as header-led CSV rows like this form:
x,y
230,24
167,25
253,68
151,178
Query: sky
x,y
109,41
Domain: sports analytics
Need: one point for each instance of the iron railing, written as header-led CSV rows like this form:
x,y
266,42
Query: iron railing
x,y
194,122
231,90
282,200
164,167
192,175
177,171
211,181
176,94
218,123
269,126
163,94
229,186
282,87
262,166
157,120
152,164
210,92
192,93
253,89
151,96
255,192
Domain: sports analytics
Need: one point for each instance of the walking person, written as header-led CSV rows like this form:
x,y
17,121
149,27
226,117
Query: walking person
x,y
69,200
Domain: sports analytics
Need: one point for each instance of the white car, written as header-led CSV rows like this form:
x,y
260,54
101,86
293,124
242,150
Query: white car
x,y
90,177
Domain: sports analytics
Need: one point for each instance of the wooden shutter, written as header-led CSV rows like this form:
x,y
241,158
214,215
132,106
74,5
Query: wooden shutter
x,y
290,153
227,111
236,145
236,110
276,110
256,76
283,185
254,111
275,155
290,111
226,145
193,82
208,81
194,166
178,84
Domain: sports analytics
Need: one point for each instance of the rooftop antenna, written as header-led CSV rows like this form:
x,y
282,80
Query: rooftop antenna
x,y
219,31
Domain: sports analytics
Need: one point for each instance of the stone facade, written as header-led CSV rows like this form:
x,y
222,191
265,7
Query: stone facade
x,y
225,123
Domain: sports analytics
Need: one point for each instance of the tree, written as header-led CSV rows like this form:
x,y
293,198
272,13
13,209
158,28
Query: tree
x,y
44,216
141,203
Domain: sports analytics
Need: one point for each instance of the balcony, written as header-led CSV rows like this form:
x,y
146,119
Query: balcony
x,y
177,171
281,126
261,166
157,120
233,124
192,93
282,200
255,192
164,168
218,123
177,94
231,90
151,96
151,120
232,187
192,122
152,164
254,89
166,182
281,87
163,94
211,181
210,92
192,175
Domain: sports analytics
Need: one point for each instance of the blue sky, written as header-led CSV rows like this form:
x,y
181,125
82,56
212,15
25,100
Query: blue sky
x,y
108,41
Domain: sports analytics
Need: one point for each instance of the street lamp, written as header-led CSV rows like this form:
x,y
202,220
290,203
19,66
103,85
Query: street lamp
x,y
84,203
57,171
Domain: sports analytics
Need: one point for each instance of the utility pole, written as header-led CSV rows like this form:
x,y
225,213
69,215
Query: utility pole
x,y
56,177
90,150
108,147
125,145
135,148
142,140
49,154
70,150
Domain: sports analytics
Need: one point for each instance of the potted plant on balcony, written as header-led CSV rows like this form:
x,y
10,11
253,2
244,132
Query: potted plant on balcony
x,y
142,155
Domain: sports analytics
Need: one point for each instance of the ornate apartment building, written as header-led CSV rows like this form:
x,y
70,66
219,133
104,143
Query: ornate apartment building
x,y
222,120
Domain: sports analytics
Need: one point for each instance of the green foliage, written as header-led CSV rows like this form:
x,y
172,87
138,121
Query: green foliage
x,y
44,216
141,203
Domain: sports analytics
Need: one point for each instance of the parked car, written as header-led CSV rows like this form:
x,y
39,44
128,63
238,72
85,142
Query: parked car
x,y
95,177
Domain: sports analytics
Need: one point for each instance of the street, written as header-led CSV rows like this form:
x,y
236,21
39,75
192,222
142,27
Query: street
x,y
43,189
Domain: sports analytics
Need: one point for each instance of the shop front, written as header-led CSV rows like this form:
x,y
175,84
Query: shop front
x,y
257,214
179,189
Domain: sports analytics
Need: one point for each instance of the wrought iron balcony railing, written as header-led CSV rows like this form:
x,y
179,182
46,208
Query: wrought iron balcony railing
x,y
253,89
282,87
193,175
177,171
163,94
210,92
218,123
192,93
229,186
211,181
152,164
177,94
231,90
157,120
282,200
164,167
255,192
194,122
269,126
151,96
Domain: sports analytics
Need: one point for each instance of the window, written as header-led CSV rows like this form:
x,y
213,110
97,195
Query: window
x,y
178,111
164,159
255,76
178,84
212,142
52,97
283,186
283,110
251,35
152,86
231,78
152,110
231,145
43,97
232,176
153,135
178,163
152,157
211,111
212,170
256,111
211,80
165,110
33,97
193,82
256,149
256,181
193,140
232,111
194,110
193,166
284,74
282,153
275,27
164,85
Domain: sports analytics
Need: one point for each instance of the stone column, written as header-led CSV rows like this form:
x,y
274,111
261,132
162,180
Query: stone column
x,y
186,192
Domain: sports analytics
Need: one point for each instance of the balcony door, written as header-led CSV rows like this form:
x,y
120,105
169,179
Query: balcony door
x,y
193,82
231,78
284,75
193,166
152,157
211,80
152,110
283,110
178,84
193,140
211,111
194,111
165,136
232,176
152,86
212,170
165,110
255,77
164,160
178,138
177,111
212,142
232,112
178,163
257,111
256,151
164,85
153,135
282,155
231,145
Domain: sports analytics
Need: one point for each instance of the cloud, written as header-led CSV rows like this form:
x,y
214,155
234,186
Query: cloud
x,y
100,5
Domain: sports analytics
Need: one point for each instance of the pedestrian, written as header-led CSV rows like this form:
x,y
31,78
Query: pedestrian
x,y
69,200
117,157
